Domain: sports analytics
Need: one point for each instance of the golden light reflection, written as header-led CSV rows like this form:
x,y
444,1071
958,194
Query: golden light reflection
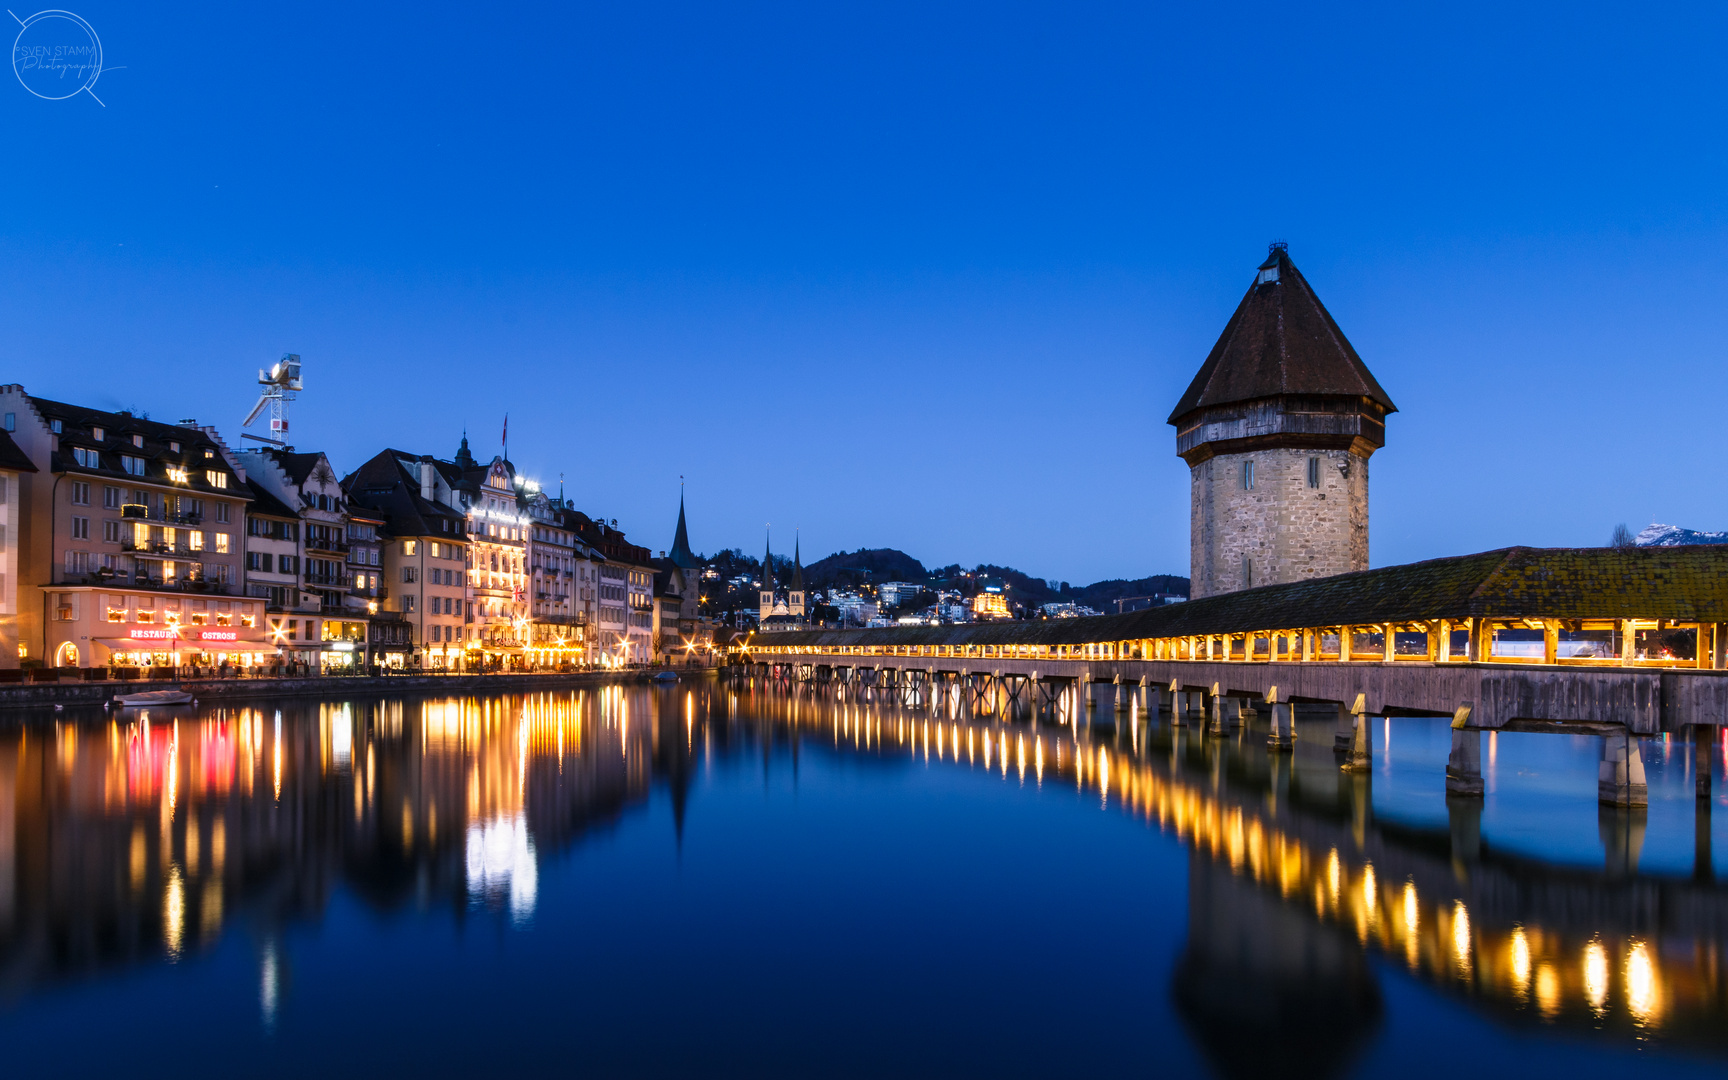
x,y
1548,991
1461,938
1641,983
1520,962
1596,976
1333,872
1411,915
174,913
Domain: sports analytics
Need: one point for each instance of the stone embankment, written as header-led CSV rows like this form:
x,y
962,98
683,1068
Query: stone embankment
x,y
40,695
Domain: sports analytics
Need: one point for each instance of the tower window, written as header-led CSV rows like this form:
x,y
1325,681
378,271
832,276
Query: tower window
x,y
1247,572
1313,472
1247,476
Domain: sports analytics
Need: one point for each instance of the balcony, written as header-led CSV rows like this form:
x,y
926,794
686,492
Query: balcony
x,y
337,547
141,512
329,581
129,580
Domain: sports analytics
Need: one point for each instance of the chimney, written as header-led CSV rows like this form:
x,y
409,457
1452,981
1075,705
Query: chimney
x,y
428,486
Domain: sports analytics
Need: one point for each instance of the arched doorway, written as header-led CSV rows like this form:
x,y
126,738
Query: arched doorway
x,y
66,655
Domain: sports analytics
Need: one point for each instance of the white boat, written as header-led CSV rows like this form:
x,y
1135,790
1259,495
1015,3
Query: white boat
x,y
154,697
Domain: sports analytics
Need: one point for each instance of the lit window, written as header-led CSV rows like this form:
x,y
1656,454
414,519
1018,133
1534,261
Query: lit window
x,y
216,478
408,547
96,433
195,539
137,440
221,542
177,476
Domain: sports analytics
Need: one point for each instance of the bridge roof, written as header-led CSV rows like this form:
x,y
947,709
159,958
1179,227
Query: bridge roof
x,y
1683,584
1280,342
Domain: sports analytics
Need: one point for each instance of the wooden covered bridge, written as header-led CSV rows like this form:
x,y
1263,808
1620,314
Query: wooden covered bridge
x,y
1627,641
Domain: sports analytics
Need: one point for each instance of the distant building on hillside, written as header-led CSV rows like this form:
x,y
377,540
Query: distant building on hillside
x,y
1067,611
894,593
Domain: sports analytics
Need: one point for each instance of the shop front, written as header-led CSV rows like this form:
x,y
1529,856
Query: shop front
x,y
191,646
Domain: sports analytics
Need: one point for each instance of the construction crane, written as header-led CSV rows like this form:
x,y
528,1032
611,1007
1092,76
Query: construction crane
x,y
281,383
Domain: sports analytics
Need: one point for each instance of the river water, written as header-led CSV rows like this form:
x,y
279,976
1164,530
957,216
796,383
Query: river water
x,y
724,878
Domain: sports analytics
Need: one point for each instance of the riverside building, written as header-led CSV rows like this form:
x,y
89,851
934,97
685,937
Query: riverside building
x,y
129,535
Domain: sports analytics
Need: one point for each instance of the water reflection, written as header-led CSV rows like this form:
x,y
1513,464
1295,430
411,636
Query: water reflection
x,y
137,838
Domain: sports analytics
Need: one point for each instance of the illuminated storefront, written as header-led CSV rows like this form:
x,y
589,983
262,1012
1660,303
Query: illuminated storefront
x,y
91,627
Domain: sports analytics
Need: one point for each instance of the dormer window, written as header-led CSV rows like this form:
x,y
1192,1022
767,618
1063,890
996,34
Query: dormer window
x,y
137,440
208,453
1268,275
96,433
174,447
55,426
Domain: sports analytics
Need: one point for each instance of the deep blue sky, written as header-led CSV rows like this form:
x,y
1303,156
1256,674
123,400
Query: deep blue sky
x,y
921,276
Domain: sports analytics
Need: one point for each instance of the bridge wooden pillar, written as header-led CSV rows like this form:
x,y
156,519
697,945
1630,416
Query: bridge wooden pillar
x,y
1464,763
1119,698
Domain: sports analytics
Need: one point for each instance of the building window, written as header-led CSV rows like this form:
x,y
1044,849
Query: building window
x,y
85,457
138,440
55,426
1247,572
1247,476
215,478
222,513
408,603
96,433
111,532
11,421
195,539
80,494
133,465
409,575
408,547
111,498
80,528
1313,472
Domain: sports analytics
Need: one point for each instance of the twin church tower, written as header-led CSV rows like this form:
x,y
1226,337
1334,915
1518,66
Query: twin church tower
x,y
1277,429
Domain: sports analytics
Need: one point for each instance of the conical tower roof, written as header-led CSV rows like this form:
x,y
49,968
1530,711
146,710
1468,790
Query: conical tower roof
x,y
768,561
797,567
1281,341
681,556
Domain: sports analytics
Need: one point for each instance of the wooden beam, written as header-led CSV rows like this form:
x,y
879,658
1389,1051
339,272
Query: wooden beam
x,y
1344,643
1550,641
1389,643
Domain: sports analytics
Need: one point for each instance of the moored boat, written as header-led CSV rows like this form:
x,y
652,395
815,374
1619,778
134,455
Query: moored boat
x,y
154,697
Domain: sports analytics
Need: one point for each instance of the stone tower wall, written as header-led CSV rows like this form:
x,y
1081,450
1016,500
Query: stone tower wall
x,y
1286,530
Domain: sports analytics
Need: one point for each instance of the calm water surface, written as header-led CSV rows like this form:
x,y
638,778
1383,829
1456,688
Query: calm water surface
x,y
730,879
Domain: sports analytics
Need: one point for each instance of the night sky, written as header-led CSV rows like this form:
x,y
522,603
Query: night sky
x,y
920,276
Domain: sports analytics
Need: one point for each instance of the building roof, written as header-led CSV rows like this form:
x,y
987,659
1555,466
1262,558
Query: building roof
x,y
158,439
13,457
1280,342
266,504
385,485
797,567
1682,584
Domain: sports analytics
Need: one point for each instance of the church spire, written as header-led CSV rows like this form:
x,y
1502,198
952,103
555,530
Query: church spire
x,y
797,566
681,556
464,458
768,561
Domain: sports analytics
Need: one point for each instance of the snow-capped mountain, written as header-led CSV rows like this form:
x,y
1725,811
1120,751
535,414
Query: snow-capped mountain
x,y
1671,535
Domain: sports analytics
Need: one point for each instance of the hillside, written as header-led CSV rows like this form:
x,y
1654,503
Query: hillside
x,y
875,565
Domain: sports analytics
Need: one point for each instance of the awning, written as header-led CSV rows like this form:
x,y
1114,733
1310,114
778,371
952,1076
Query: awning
x,y
182,645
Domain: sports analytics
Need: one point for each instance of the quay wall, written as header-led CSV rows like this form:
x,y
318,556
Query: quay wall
x,y
39,695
